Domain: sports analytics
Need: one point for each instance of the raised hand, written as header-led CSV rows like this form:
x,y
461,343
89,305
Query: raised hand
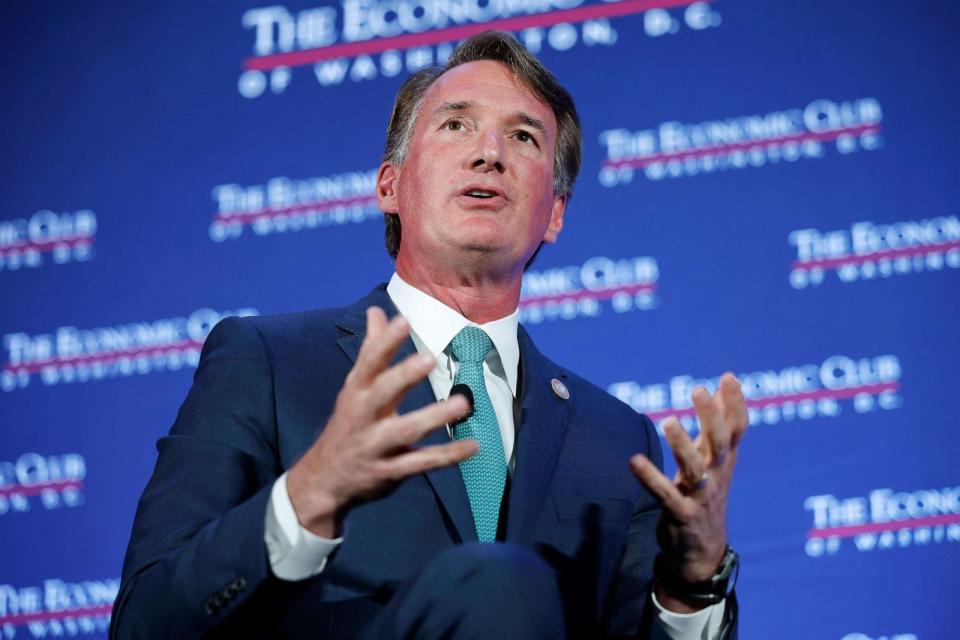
x,y
692,530
366,448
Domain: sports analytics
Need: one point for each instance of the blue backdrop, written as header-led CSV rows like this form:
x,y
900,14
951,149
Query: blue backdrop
x,y
767,187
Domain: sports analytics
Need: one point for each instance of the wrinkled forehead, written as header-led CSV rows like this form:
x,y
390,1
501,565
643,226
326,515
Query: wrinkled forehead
x,y
489,85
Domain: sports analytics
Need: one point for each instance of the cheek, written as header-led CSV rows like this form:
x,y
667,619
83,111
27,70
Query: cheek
x,y
427,183
542,198
420,198
412,189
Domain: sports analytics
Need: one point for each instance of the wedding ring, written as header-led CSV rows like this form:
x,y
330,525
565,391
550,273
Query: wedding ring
x,y
699,484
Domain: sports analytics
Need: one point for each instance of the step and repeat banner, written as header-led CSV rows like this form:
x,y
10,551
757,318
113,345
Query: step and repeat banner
x,y
768,187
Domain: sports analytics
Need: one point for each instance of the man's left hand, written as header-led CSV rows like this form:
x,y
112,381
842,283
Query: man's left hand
x,y
691,530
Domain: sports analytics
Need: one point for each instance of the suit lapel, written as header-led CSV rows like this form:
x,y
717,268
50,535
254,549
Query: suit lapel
x,y
447,483
544,418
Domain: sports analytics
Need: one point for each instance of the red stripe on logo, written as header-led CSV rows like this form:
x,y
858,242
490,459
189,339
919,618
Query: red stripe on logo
x,y
876,527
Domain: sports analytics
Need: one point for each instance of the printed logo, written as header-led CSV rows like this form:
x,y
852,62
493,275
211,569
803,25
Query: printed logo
x,y
364,40
288,205
678,149
82,355
50,482
790,394
57,608
47,237
883,520
565,293
868,251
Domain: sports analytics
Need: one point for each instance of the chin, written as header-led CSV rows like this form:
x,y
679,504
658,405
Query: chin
x,y
477,247
477,252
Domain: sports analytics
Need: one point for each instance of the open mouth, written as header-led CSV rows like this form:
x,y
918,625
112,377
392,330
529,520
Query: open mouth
x,y
481,193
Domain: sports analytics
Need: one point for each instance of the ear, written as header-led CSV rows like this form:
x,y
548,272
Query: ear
x,y
387,188
556,219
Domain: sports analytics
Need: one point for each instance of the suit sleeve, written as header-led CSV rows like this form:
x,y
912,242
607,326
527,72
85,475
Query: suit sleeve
x,y
196,555
630,611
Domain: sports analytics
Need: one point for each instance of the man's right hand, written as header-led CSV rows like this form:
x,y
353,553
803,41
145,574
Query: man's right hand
x,y
366,448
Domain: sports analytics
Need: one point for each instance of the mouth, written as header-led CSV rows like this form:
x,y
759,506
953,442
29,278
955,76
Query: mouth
x,y
482,193
477,197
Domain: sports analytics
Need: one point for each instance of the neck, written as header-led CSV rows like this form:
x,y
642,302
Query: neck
x,y
479,297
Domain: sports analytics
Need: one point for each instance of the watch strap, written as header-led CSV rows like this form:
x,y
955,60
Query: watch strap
x,y
706,592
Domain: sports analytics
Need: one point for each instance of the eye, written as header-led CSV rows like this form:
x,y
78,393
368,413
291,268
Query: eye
x,y
453,125
525,137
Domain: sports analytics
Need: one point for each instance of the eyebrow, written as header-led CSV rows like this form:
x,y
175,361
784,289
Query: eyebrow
x,y
448,107
530,121
520,116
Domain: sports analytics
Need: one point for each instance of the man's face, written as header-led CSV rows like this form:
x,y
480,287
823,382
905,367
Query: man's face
x,y
476,187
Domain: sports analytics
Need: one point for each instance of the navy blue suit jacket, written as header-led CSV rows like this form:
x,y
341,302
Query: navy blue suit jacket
x,y
264,389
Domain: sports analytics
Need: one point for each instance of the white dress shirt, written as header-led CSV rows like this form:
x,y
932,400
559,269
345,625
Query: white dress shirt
x,y
296,554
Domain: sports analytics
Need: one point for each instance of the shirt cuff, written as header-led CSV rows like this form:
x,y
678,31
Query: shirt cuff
x,y
295,553
705,624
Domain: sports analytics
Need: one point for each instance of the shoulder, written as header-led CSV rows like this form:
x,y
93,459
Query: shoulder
x,y
605,408
255,334
313,328
602,426
601,409
601,400
584,393
303,324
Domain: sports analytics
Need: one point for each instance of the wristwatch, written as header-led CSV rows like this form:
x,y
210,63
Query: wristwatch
x,y
710,591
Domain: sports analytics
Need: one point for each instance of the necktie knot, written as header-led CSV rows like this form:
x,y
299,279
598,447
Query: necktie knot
x,y
471,345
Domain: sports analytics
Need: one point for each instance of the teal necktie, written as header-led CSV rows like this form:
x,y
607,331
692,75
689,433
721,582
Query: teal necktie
x,y
485,473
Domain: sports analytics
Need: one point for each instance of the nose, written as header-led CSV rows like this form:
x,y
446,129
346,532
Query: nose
x,y
488,156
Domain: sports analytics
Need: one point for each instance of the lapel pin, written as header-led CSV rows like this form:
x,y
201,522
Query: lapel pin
x,y
560,389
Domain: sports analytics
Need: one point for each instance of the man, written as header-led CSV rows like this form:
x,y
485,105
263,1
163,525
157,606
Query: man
x,y
322,481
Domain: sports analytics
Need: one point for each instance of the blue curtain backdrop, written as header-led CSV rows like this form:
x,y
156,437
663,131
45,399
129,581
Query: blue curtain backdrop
x,y
767,187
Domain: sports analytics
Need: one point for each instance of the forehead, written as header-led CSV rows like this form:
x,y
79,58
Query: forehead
x,y
489,85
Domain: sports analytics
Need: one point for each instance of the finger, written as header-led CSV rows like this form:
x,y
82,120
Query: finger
x,y
713,424
376,321
734,407
410,428
432,457
391,386
658,484
379,345
690,463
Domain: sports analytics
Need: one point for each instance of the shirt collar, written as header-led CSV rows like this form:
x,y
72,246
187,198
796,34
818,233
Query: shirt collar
x,y
435,324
